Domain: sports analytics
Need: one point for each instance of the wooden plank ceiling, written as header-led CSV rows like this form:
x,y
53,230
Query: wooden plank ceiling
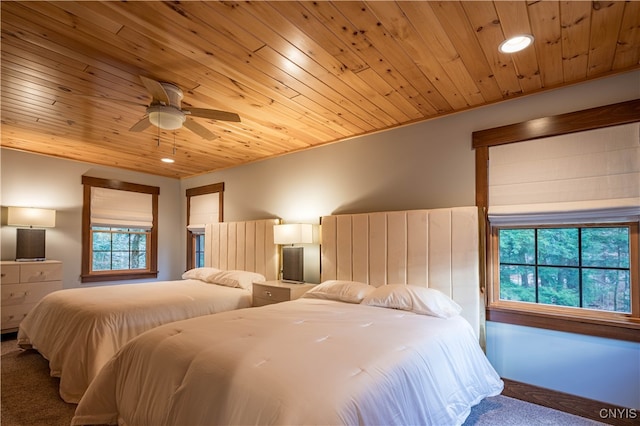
x,y
299,74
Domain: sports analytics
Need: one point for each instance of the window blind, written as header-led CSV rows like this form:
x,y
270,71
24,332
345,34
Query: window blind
x,y
203,209
121,209
580,177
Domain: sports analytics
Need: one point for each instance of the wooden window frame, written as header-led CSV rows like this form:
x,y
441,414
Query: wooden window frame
x,y
87,275
623,327
192,192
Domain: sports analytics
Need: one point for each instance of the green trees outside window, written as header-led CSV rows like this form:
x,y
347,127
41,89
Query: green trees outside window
x,y
585,267
119,249
199,250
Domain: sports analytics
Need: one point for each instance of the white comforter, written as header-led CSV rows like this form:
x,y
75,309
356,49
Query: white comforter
x,y
307,361
79,330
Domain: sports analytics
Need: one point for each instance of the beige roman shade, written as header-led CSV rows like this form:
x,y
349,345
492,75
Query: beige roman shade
x,y
203,209
573,178
121,209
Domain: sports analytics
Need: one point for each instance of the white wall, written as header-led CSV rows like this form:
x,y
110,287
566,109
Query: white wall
x,y
30,180
600,369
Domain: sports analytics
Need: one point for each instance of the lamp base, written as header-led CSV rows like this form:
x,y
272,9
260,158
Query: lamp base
x,y
293,264
30,245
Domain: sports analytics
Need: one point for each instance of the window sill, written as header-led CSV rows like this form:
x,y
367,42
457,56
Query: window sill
x,y
620,329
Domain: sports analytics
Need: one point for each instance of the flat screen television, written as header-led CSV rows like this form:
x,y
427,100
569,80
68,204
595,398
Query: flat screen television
x,y
30,244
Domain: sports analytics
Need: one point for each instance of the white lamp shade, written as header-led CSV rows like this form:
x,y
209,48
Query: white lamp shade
x,y
27,216
166,118
293,233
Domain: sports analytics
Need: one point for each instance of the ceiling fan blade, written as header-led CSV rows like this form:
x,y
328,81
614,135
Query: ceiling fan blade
x,y
141,125
213,114
156,89
198,129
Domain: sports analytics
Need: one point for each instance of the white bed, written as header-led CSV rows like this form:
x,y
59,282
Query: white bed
x,y
307,361
79,330
392,351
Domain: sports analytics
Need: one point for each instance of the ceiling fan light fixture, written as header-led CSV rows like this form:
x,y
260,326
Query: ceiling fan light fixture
x,y
167,118
516,44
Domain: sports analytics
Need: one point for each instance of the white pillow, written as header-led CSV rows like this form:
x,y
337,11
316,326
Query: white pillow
x,y
344,291
236,278
421,300
202,274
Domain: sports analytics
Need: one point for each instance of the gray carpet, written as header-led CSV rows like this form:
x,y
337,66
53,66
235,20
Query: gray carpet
x,y
29,396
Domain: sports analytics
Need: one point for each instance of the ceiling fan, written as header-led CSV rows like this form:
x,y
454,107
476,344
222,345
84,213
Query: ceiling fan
x,y
166,112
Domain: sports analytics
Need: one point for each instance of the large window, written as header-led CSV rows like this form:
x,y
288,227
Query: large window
x,y
561,203
119,224
204,205
119,249
567,266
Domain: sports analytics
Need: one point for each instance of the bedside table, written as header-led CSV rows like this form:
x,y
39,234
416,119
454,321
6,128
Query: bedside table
x,y
269,292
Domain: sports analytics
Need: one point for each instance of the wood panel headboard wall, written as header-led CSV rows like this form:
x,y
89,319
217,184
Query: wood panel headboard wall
x,y
437,248
246,246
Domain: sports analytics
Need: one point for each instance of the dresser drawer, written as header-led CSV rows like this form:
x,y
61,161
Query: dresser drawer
x,y
10,274
270,294
34,272
16,294
12,315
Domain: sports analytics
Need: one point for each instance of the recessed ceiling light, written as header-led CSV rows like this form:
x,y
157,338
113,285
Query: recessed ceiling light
x,y
168,160
516,44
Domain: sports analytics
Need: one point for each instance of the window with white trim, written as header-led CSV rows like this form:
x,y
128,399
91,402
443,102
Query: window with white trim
x,y
204,205
119,230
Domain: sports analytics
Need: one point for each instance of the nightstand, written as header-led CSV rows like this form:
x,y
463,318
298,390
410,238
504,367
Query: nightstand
x,y
269,292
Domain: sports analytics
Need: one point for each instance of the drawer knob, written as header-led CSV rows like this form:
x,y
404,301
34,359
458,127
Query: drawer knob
x,y
267,293
2,275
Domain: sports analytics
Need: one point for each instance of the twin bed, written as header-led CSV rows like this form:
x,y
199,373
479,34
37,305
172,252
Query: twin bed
x,y
79,330
390,337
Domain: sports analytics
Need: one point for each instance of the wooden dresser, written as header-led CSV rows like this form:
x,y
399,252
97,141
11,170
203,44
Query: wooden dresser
x,y
23,285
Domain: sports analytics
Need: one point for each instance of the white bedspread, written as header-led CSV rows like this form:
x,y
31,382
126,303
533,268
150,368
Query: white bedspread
x,y
308,361
79,330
